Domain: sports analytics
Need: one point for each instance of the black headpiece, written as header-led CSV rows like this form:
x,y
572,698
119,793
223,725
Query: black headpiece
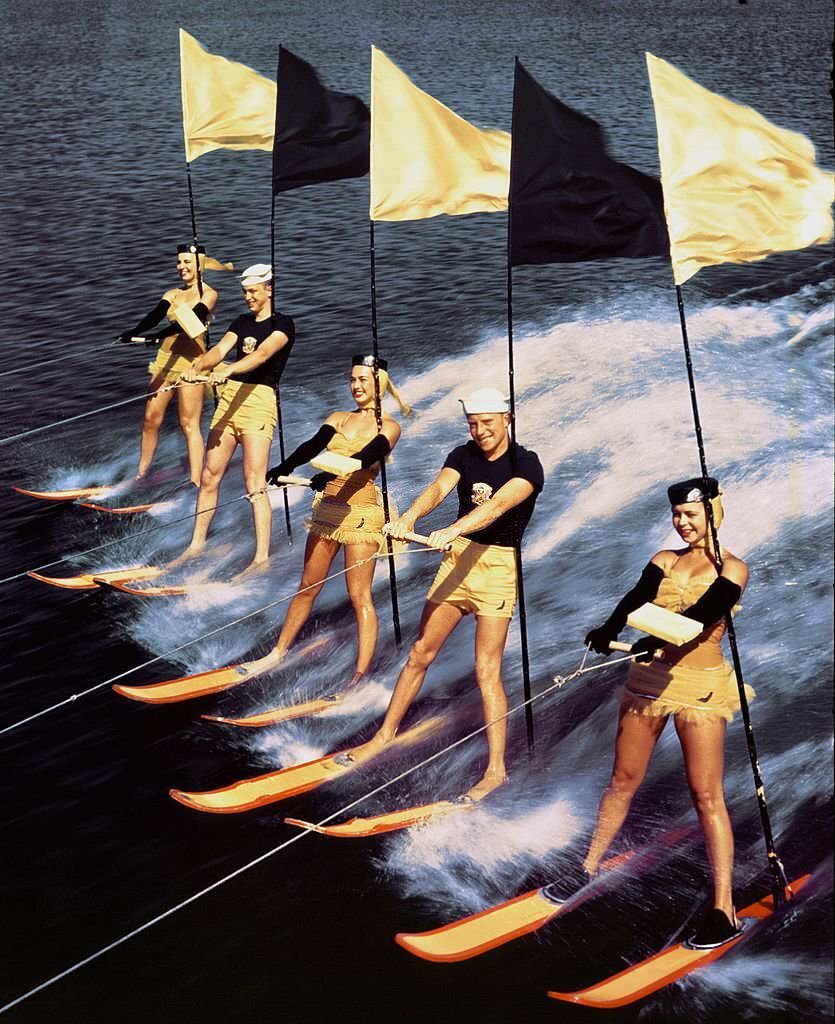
x,y
191,247
368,360
693,490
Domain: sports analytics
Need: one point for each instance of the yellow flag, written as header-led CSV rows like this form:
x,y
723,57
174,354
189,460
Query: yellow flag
x,y
226,105
426,160
736,187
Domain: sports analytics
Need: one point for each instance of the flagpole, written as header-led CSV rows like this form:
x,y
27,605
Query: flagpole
x,y
197,261
378,413
279,419
194,237
780,881
517,544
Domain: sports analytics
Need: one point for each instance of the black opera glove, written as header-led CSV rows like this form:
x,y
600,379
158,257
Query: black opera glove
x,y
158,337
321,480
644,591
149,320
600,638
201,311
715,602
375,451
304,453
646,647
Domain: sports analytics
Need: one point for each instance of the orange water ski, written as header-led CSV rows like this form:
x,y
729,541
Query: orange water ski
x,y
470,936
203,683
473,935
91,493
247,794
170,590
283,714
187,687
360,828
91,580
115,510
672,963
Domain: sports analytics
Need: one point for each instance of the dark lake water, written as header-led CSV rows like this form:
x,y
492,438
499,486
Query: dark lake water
x,y
94,199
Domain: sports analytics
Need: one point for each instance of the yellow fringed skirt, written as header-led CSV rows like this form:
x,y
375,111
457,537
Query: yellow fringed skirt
x,y
690,693
175,356
348,524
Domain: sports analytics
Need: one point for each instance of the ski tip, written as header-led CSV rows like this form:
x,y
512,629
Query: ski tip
x,y
186,799
67,583
569,997
308,826
143,694
417,945
215,801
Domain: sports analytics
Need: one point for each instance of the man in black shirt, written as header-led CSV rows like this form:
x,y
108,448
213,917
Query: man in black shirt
x,y
498,483
247,412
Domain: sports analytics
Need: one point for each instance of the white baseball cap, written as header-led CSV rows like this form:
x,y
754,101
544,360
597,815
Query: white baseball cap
x,y
484,400
258,273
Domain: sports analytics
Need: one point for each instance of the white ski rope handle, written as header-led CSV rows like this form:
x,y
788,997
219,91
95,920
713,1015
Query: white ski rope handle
x,y
292,481
415,538
618,645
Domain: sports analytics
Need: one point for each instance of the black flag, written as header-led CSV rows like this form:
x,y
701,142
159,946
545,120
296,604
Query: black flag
x,y
320,135
569,201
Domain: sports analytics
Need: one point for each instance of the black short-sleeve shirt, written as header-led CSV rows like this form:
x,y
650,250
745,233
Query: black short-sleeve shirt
x,y
481,478
250,334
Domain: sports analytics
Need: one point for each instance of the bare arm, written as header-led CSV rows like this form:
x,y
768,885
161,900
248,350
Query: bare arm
x,y
508,496
735,570
428,500
208,298
272,343
391,430
209,359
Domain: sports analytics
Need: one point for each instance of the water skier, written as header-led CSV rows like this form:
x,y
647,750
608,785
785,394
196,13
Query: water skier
x,y
247,412
176,353
693,683
347,513
497,484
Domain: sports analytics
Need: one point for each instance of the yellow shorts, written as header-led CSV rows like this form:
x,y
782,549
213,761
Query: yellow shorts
x,y
477,578
246,409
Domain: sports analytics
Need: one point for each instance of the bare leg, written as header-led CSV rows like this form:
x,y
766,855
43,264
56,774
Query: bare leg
x,y
436,624
703,746
319,554
636,739
358,583
490,637
256,456
154,415
219,451
191,409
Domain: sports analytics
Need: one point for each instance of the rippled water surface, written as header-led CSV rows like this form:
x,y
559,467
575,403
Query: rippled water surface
x,y
94,198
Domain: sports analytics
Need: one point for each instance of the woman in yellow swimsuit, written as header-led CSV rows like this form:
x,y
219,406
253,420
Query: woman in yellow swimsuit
x,y
176,353
693,683
347,513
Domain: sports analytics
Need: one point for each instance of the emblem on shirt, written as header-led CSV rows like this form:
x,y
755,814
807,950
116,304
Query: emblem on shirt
x,y
249,345
481,493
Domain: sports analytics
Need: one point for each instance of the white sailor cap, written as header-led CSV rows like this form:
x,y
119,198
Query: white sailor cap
x,y
258,273
484,400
